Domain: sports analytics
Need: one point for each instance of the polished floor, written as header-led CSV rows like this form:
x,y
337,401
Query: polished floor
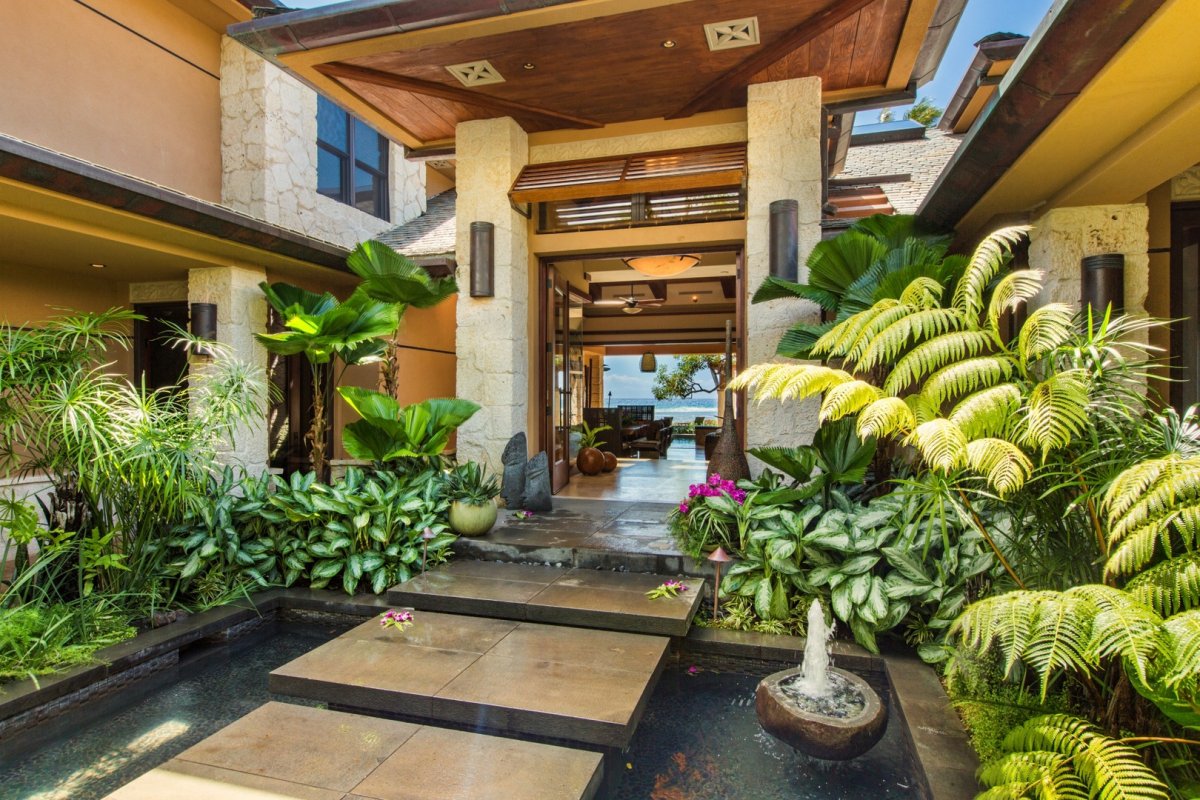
x,y
646,480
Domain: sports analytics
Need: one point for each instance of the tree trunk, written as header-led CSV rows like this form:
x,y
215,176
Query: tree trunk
x,y
320,425
389,370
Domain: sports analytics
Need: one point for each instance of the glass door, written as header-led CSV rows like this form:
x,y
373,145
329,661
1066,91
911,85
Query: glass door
x,y
556,381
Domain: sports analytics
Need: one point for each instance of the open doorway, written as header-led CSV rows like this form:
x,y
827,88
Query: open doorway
x,y
610,326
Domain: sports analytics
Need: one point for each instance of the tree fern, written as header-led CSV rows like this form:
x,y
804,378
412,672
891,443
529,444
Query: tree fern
x,y
965,377
1106,768
1169,587
1003,463
987,412
989,258
933,354
1153,507
941,443
1011,291
1055,412
848,398
888,344
887,416
1045,330
1183,636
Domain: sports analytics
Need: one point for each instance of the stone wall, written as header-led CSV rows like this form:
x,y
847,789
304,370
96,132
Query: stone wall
x,y
269,156
783,160
1064,236
492,332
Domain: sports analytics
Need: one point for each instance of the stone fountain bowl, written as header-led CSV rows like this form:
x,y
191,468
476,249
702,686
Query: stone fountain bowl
x,y
818,734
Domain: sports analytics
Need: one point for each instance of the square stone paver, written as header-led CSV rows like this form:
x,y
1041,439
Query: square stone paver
x,y
581,597
580,685
285,752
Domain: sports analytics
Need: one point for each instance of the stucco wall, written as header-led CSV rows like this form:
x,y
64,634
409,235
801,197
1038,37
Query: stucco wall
x,y
81,84
269,156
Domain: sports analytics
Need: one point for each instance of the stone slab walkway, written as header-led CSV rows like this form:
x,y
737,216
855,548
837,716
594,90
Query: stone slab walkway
x,y
589,598
591,534
573,684
287,752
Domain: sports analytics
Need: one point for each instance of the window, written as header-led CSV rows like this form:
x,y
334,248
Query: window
x,y
352,160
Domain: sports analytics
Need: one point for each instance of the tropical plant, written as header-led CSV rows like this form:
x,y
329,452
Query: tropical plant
x,y
326,332
924,111
389,277
389,433
472,483
590,435
36,638
682,379
840,457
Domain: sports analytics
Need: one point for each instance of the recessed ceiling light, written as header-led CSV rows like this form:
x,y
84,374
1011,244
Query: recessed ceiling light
x,y
529,65
668,43
97,266
695,298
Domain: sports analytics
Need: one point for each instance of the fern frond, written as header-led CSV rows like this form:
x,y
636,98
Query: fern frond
x,y
1111,770
914,327
966,376
853,349
887,416
1056,411
1003,463
848,398
923,292
933,354
843,335
1010,292
1045,330
789,381
985,263
1122,627
1170,587
1149,502
922,409
1046,776
987,412
1183,636
941,443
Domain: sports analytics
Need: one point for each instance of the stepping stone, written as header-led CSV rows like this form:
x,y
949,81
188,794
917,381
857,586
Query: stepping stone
x,y
589,598
283,751
513,678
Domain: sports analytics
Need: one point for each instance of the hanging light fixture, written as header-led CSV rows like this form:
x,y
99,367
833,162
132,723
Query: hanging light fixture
x,y
649,362
632,309
662,266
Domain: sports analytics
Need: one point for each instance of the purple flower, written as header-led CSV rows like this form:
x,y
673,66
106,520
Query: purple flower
x,y
693,670
683,508
714,480
678,586
396,619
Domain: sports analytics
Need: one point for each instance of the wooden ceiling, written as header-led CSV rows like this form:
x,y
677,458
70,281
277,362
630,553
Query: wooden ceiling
x,y
608,68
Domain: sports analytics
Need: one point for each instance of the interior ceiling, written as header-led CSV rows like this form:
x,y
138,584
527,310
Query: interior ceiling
x,y
614,68
709,287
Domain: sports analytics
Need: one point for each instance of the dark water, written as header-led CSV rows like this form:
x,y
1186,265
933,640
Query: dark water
x,y
700,740
86,757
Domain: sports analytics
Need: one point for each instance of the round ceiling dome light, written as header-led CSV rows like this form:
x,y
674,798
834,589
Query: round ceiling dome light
x,y
632,309
668,43
662,266
529,65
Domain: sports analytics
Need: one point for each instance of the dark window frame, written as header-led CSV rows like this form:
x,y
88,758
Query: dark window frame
x,y
348,163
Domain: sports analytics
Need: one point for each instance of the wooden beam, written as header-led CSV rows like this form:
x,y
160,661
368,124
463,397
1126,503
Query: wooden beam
x,y
794,39
458,95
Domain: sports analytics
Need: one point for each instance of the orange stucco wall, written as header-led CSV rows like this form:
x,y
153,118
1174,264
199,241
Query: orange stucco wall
x,y
81,84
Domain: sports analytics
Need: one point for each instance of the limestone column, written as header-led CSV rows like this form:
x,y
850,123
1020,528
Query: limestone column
x,y
783,160
493,333
1061,238
241,313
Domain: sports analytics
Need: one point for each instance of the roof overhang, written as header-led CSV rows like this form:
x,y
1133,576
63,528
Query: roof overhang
x,y
1101,106
590,63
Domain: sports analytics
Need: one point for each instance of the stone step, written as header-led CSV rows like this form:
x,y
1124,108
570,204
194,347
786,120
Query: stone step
x,y
590,598
512,678
283,751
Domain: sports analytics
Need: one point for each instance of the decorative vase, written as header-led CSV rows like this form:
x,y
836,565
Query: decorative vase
x,y
610,462
590,461
468,519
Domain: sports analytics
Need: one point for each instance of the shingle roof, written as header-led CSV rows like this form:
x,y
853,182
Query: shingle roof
x,y
922,159
431,234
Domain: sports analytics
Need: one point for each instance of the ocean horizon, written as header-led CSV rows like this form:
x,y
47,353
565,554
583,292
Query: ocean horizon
x,y
693,406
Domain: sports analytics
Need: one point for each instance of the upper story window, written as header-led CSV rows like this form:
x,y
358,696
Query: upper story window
x,y
352,160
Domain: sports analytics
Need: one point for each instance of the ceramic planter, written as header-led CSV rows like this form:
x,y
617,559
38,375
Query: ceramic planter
x,y
610,462
590,461
467,519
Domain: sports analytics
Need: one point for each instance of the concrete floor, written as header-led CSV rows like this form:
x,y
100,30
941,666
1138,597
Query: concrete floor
x,y
662,480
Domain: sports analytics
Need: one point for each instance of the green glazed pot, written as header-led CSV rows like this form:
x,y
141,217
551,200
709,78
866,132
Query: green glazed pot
x,y
471,520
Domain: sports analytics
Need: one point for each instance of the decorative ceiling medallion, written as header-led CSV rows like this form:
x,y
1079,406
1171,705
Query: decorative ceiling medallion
x,y
732,33
476,73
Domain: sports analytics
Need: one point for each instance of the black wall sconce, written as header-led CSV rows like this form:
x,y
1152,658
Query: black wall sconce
x,y
785,240
203,323
483,259
1103,282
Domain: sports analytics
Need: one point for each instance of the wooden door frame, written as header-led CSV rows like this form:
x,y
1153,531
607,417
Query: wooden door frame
x,y
1184,216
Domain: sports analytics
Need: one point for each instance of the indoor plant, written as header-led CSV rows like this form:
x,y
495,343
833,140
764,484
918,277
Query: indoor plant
x,y
590,459
472,491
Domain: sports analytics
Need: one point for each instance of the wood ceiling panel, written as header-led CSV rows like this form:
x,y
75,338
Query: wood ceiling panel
x,y
878,32
593,68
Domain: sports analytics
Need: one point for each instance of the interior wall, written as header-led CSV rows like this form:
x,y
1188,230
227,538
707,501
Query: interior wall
x,y
94,90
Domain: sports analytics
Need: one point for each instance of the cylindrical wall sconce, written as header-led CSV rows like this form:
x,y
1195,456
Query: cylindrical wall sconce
x,y
785,240
1103,282
203,323
483,259
649,362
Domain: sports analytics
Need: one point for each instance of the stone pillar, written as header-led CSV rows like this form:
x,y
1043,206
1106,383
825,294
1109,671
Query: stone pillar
x,y
241,313
493,332
783,161
1064,236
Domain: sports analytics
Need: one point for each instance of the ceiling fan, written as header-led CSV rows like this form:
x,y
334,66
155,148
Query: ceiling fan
x,y
631,304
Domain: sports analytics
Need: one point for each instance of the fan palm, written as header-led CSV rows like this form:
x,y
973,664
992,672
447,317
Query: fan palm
x,y
389,277
390,432
323,330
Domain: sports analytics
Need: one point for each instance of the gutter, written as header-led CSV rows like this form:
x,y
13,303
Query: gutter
x,y
1067,52
56,172
308,29
989,53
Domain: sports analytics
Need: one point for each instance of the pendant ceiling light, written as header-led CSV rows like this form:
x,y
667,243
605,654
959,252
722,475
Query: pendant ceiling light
x,y
662,266
632,309
649,362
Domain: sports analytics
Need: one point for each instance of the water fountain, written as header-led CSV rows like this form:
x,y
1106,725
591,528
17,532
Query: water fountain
x,y
817,708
